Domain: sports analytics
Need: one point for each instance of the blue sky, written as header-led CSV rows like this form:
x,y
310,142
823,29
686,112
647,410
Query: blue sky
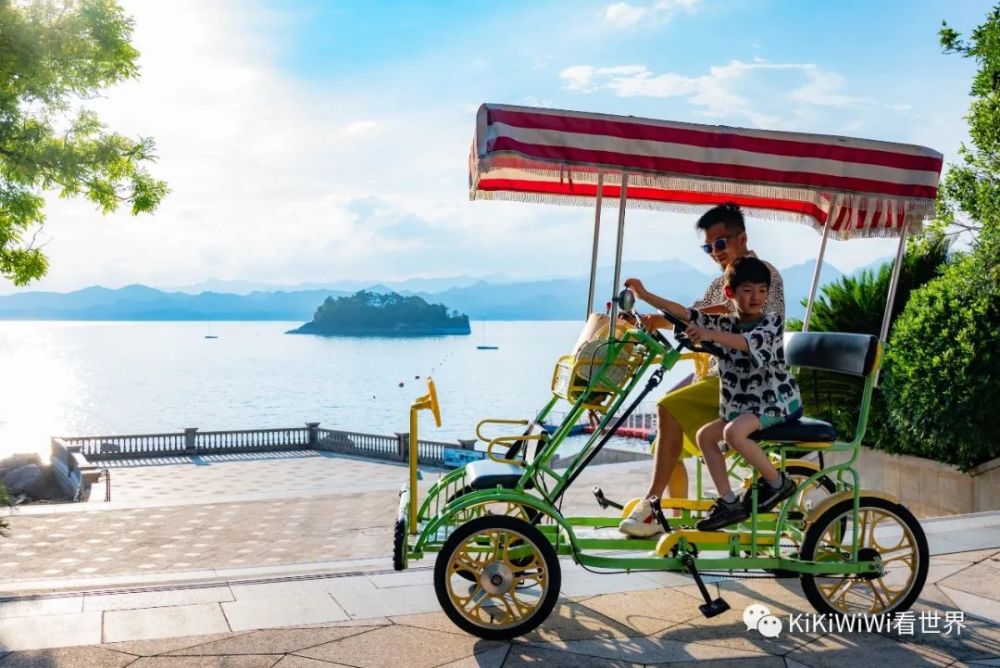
x,y
310,141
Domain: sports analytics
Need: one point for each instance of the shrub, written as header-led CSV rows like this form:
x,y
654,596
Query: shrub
x,y
943,368
856,304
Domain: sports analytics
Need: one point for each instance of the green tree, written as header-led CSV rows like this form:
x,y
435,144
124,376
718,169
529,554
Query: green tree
x,y
970,192
54,56
856,304
944,366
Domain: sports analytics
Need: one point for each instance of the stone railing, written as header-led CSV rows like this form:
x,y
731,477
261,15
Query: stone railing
x,y
192,442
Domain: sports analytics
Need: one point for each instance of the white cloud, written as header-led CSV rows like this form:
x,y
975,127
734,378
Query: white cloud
x,y
735,90
626,16
356,128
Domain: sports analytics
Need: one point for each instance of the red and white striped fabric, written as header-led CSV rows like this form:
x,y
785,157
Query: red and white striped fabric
x,y
865,188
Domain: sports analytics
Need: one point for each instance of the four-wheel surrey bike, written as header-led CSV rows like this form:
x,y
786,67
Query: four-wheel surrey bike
x,y
496,524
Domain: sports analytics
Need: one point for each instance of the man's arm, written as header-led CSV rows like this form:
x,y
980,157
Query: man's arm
x,y
671,307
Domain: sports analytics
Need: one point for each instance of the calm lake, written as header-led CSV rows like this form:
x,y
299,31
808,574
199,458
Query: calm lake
x,y
100,378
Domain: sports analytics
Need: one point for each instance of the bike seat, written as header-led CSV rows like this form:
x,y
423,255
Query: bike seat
x,y
486,474
803,430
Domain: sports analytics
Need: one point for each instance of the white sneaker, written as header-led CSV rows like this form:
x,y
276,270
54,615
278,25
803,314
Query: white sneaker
x,y
640,523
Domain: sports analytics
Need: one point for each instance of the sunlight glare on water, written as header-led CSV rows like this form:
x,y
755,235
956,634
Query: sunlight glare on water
x,y
101,378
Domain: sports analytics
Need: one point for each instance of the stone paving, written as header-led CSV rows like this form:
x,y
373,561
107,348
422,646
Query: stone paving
x,y
291,510
656,622
283,561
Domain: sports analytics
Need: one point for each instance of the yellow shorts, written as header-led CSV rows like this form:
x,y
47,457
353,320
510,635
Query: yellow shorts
x,y
693,406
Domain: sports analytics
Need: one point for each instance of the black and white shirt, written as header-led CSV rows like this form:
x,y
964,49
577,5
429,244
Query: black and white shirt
x,y
714,296
756,381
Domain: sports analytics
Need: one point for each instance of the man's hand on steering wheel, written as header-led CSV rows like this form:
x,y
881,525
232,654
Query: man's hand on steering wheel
x,y
636,286
652,322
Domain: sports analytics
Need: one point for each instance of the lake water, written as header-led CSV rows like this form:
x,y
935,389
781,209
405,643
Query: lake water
x,y
101,378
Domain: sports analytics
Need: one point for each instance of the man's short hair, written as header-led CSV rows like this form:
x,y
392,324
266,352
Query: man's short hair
x,y
728,213
746,269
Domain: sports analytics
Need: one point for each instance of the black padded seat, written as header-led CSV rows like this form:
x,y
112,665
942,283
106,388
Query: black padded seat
x,y
487,474
803,430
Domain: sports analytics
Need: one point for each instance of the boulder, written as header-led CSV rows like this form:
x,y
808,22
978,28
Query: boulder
x,y
22,479
18,460
67,479
61,454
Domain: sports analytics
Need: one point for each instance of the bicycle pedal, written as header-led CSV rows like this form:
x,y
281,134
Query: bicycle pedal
x,y
603,501
661,519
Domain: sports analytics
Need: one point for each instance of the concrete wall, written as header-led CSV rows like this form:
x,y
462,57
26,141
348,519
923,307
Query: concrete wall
x,y
929,488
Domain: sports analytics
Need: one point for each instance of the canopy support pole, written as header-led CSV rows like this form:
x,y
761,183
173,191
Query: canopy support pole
x,y
593,253
890,301
618,256
819,267
893,284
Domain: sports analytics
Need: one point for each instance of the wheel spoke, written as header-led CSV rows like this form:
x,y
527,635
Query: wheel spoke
x,y
880,602
464,561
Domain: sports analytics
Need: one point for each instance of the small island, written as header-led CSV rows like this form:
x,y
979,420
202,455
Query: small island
x,y
372,314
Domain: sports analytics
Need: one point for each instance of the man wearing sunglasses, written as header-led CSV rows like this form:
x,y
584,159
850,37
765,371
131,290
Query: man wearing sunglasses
x,y
695,401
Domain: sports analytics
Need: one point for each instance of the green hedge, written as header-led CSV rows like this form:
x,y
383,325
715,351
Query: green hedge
x,y
943,369
856,304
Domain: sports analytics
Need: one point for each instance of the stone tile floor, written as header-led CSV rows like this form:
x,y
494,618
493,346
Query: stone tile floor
x,y
283,561
186,518
655,626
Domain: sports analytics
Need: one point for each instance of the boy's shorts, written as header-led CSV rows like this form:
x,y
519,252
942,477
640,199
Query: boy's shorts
x,y
770,420
693,406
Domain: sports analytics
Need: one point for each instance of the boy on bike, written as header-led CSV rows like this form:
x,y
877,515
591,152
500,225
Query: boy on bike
x,y
756,390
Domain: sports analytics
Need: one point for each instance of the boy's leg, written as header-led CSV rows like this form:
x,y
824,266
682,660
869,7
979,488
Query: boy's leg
x,y
773,487
728,509
737,435
708,441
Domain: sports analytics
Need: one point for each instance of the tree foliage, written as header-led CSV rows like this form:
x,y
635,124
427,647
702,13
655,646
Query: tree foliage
x,y
54,56
970,191
391,313
944,366
943,369
856,304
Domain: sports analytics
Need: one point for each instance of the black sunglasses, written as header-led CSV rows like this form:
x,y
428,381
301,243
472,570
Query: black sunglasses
x,y
720,244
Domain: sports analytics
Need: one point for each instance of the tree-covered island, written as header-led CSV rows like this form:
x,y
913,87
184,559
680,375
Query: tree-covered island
x,y
372,314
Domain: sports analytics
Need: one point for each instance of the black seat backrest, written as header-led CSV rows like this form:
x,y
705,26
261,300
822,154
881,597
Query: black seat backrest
x,y
853,354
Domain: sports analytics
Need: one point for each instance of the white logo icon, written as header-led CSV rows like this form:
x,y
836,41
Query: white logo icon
x,y
757,616
769,626
753,614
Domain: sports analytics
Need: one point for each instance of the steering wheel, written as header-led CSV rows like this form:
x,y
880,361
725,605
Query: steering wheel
x,y
626,305
709,347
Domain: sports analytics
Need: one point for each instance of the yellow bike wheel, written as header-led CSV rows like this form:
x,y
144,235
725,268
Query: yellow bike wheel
x,y
887,532
497,577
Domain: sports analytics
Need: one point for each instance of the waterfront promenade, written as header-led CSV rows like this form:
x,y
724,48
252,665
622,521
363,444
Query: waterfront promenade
x,y
283,559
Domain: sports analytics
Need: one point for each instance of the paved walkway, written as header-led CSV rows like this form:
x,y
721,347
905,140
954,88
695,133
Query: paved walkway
x,y
336,601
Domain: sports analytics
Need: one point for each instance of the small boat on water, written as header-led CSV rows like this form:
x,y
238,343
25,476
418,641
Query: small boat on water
x,y
484,345
211,336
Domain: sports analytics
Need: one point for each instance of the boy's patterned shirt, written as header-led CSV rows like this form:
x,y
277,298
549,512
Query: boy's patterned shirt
x,y
714,296
756,381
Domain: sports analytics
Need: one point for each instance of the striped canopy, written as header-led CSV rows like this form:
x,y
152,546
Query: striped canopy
x,y
864,188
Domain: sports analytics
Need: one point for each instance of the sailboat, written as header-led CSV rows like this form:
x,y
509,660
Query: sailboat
x,y
484,346
209,335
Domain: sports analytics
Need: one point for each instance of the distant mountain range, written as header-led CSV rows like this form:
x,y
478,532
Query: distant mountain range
x,y
496,299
